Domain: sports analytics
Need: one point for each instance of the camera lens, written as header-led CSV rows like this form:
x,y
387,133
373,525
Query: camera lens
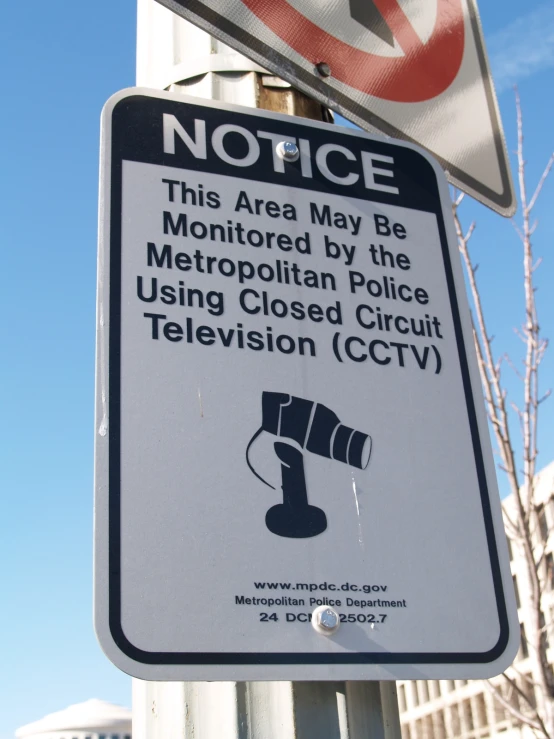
x,y
351,447
359,450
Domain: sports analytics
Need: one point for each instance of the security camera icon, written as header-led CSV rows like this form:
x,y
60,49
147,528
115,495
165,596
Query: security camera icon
x,y
312,427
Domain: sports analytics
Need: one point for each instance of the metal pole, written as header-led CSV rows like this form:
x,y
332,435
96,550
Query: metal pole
x,y
176,56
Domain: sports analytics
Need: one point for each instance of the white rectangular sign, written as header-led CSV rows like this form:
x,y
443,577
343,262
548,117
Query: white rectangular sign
x,y
288,408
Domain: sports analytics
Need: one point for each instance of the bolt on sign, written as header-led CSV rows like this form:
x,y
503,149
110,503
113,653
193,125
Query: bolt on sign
x,y
412,69
293,471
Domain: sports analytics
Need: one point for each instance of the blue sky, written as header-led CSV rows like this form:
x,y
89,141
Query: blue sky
x,y
61,62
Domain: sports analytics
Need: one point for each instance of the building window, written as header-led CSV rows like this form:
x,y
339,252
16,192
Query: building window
x,y
415,697
543,523
549,507
528,691
512,697
500,716
427,727
467,717
439,725
524,649
402,698
510,550
550,570
423,692
434,689
544,632
455,727
480,711
516,591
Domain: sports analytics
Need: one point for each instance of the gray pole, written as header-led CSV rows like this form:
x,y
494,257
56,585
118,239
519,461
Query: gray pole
x,y
176,56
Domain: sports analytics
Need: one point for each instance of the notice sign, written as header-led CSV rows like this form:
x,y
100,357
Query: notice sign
x,y
293,471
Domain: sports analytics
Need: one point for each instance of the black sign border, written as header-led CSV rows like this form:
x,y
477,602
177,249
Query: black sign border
x,y
114,436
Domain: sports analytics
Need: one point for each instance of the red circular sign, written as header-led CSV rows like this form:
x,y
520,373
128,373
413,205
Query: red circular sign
x,y
424,71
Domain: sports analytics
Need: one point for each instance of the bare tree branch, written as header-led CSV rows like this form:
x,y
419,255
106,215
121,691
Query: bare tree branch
x,y
535,723
541,183
525,521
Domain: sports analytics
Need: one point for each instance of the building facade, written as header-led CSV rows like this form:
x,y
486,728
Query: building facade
x,y
462,709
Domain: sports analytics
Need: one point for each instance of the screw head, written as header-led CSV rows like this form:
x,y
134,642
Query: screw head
x,y
328,619
323,69
288,151
325,620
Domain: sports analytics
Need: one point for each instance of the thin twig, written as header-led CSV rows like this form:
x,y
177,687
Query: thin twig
x,y
534,723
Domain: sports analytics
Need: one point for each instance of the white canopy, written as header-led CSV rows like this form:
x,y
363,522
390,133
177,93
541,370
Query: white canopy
x,y
92,715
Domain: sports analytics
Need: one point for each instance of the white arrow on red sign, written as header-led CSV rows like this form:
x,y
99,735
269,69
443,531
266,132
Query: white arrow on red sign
x,y
412,69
